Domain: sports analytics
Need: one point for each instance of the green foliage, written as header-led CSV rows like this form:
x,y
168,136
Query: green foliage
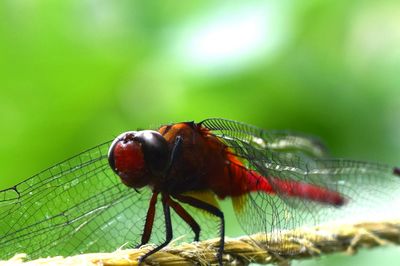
x,y
76,73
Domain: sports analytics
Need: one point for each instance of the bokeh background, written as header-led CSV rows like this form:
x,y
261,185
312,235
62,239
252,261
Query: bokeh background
x,y
76,73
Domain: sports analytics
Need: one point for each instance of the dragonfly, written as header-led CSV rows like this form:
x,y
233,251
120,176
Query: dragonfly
x,y
148,186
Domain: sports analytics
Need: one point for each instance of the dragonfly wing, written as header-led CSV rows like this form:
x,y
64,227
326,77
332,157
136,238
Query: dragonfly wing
x,y
280,141
78,205
364,187
371,191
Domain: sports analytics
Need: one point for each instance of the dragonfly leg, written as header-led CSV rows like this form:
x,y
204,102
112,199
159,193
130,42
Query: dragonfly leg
x,y
168,230
213,210
186,217
148,226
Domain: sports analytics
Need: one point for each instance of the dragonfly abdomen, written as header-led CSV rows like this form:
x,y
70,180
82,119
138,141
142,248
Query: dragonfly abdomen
x,y
244,180
308,191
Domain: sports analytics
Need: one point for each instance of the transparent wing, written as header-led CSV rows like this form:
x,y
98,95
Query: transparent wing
x,y
369,189
79,205
279,141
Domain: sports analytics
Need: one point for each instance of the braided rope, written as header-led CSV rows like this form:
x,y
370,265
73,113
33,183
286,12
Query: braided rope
x,y
314,241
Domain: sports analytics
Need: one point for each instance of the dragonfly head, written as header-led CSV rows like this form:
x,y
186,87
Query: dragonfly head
x,y
138,156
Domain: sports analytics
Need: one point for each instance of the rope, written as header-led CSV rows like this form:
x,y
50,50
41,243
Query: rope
x,y
290,245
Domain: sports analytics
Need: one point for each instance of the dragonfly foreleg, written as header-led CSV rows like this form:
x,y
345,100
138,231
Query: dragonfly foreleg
x,y
168,229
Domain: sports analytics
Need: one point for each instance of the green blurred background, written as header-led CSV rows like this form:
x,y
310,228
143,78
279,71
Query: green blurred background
x,y
76,73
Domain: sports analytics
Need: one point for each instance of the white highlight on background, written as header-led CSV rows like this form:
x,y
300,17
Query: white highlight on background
x,y
230,37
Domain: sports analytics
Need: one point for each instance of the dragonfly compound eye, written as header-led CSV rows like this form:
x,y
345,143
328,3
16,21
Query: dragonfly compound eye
x,y
155,150
126,158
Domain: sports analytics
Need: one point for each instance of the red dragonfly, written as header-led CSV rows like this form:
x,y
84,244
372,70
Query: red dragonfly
x,y
276,180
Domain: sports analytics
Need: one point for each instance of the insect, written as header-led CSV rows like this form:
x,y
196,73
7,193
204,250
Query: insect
x,y
176,174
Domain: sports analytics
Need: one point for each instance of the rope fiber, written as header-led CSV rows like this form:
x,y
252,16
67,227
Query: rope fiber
x,y
314,242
